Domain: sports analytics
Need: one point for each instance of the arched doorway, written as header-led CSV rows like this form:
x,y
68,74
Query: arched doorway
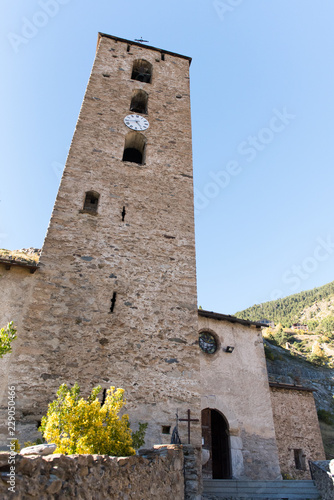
x,y
216,439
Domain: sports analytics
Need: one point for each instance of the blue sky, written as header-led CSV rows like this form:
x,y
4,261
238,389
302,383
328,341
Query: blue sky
x,y
262,93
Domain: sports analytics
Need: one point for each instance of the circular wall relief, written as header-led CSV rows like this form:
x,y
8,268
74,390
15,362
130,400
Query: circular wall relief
x,y
207,342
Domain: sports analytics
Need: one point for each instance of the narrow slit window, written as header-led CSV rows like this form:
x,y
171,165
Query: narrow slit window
x,y
91,202
139,102
142,71
113,302
134,148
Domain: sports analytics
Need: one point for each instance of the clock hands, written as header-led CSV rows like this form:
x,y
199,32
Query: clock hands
x,y
131,120
136,122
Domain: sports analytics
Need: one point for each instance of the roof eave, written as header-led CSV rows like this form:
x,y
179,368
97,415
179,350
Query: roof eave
x,y
231,319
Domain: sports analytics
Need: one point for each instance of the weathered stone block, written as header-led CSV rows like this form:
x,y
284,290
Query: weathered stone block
x,y
4,459
41,449
54,485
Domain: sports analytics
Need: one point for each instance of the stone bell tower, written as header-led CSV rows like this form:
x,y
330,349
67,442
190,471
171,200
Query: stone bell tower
x,y
114,300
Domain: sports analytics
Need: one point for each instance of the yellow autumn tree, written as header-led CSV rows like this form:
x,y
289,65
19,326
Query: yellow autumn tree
x,y
77,425
318,356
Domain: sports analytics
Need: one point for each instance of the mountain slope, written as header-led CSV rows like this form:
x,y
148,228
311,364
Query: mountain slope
x,y
299,307
302,355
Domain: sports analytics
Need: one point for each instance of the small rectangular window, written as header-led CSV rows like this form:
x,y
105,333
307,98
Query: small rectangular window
x,y
299,459
91,202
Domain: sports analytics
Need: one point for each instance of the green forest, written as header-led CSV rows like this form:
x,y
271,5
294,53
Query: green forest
x,y
289,309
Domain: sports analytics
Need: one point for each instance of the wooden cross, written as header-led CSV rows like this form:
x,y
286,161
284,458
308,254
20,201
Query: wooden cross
x,y
188,420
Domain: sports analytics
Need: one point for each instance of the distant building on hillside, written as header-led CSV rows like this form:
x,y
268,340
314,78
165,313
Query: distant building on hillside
x,y
268,323
298,326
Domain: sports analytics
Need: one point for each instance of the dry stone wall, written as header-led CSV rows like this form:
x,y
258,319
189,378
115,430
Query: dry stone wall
x,y
159,475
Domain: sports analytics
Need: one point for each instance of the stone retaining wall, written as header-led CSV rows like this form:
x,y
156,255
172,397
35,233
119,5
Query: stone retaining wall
x,y
157,475
323,478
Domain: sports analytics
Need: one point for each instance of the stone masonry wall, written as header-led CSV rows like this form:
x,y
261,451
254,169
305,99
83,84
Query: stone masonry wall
x,y
16,285
323,478
297,428
15,289
148,344
192,472
97,477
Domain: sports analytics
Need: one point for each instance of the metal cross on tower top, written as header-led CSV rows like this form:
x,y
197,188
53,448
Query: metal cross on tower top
x,y
141,40
188,420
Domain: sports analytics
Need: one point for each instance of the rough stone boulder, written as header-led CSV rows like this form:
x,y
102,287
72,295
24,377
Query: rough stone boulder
x,y
40,449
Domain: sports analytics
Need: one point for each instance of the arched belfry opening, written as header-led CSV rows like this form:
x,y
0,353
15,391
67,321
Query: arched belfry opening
x,y
216,439
139,101
134,148
142,71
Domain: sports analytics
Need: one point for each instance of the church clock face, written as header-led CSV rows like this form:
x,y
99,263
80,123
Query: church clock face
x,y
136,122
207,342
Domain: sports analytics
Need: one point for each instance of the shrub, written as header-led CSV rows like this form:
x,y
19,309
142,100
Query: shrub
x,y
326,416
138,437
298,347
7,335
268,353
16,444
318,358
312,325
77,425
327,324
319,351
280,338
33,443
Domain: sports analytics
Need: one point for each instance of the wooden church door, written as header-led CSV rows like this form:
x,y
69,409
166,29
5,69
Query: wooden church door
x,y
216,439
